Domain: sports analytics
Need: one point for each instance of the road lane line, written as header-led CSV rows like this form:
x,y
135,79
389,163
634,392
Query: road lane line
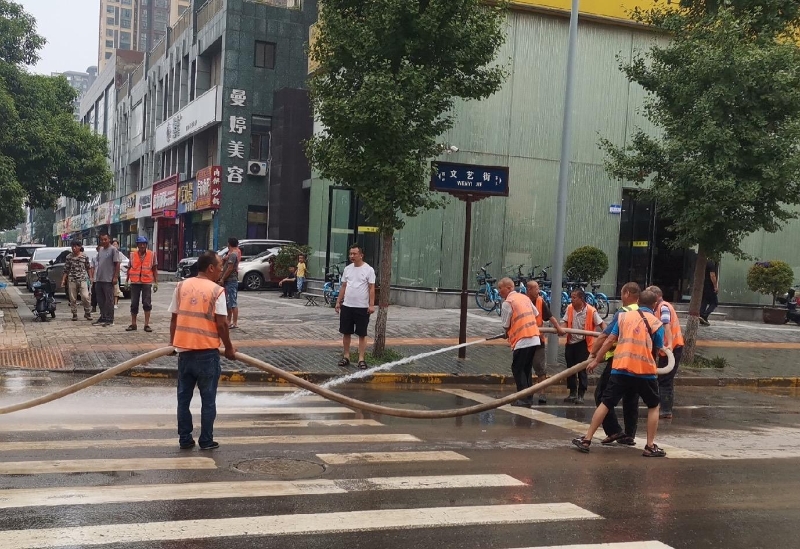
x,y
564,423
47,445
232,424
222,411
281,525
390,457
623,545
103,465
98,495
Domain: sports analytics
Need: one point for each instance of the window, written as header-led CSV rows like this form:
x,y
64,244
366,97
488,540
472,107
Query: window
x,y
260,128
109,43
108,55
265,55
110,21
144,23
125,23
126,2
162,4
110,9
256,222
125,13
110,33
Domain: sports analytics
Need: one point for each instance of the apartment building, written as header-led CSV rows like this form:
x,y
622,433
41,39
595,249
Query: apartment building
x,y
80,82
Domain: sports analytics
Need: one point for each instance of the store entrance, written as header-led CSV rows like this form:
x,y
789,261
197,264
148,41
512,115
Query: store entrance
x,y
346,225
644,255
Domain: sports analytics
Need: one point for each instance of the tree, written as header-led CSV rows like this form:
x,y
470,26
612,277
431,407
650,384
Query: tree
x,y
587,263
726,95
43,220
389,74
770,278
44,152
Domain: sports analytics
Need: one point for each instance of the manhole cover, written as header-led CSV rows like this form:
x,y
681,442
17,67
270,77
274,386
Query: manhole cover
x,y
280,468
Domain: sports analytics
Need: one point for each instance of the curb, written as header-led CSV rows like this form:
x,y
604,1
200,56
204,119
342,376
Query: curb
x,y
247,376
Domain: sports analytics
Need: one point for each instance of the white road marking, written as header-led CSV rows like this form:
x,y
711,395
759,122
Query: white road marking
x,y
488,317
390,457
222,411
46,445
281,525
568,424
623,545
103,465
170,425
98,495
250,389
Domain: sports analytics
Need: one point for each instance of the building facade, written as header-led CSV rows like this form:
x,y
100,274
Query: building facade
x,y
80,82
520,127
135,24
202,126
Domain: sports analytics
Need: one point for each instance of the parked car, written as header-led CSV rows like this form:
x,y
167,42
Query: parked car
x,y
259,271
5,259
19,263
40,260
250,248
55,272
2,259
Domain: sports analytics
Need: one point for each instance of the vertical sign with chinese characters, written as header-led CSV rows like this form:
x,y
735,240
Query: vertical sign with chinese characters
x,y
237,125
209,188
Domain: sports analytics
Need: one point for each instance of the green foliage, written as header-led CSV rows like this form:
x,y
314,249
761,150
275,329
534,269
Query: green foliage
x,y
588,263
43,220
770,278
700,362
390,73
388,355
288,257
44,152
726,94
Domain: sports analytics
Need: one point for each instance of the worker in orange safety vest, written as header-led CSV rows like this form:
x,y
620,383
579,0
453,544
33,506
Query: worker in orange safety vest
x,y
674,340
143,281
519,320
579,316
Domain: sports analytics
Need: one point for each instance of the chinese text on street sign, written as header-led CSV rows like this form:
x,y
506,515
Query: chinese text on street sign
x,y
468,179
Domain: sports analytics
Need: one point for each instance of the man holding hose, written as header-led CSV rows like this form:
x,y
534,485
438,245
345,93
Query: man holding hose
x,y
519,320
539,356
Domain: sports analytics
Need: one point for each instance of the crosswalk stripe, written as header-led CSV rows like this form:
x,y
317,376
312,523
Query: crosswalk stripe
x,y
103,465
390,457
622,545
232,424
96,495
221,411
352,521
568,424
167,442
248,389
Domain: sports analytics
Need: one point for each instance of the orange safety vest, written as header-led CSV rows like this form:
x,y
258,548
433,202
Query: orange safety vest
x,y
634,351
589,327
540,308
674,325
196,327
523,321
141,270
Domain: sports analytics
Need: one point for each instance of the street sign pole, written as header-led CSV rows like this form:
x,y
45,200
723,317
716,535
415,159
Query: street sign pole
x,y
462,327
563,181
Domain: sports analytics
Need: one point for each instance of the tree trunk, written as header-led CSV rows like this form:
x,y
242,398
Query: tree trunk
x,y
387,240
690,337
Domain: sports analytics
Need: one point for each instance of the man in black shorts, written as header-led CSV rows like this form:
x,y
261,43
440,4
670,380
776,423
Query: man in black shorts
x,y
355,303
639,335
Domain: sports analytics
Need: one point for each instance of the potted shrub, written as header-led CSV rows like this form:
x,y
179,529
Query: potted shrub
x,y
771,278
588,263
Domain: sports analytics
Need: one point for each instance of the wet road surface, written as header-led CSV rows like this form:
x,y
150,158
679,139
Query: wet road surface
x,y
103,469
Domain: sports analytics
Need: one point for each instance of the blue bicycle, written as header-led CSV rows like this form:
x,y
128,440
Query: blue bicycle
x,y
599,301
333,281
487,297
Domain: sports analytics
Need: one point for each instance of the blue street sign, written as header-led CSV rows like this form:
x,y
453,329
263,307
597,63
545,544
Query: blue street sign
x,y
468,179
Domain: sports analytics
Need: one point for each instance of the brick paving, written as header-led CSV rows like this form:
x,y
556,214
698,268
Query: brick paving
x,y
297,338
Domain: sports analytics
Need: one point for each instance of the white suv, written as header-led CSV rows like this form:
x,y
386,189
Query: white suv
x,y
250,248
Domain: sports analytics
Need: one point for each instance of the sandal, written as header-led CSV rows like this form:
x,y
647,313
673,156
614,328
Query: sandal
x,y
627,441
653,452
131,328
582,444
611,439
362,364
344,362
148,329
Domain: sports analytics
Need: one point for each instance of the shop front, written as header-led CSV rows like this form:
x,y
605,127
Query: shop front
x,y
164,212
197,201
143,224
127,217
102,219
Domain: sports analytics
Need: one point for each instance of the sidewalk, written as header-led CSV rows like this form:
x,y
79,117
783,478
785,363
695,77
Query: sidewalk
x,y
305,340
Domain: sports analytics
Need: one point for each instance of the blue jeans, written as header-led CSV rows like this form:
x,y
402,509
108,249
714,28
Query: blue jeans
x,y
199,368
232,293
301,283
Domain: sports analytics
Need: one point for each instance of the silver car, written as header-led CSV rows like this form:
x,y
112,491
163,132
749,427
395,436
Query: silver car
x,y
40,260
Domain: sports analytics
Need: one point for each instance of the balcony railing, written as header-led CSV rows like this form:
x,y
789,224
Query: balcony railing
x,y
183,23
207,12
122,93
159,50
137,74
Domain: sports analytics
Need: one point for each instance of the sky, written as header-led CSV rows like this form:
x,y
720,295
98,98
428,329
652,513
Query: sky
x,y
71,30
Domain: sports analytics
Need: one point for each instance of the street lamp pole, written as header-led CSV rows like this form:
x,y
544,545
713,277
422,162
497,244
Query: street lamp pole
x,y
563,180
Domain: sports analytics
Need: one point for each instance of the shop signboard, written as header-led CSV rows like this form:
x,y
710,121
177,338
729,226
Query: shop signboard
x,y
208,195
144,203
165,196
114,213
127,208
194,117
86,220
103,214
186,194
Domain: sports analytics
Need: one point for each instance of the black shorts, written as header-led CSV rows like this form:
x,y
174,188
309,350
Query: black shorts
x,y
353,320
619,384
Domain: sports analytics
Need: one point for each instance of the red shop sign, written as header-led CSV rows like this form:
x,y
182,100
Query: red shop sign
x,y
165,195
209,188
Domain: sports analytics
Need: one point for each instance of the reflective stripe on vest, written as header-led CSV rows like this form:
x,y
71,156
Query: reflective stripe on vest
x,y
523,320
141,270
196,326
634,307
634,351
589,326
540,308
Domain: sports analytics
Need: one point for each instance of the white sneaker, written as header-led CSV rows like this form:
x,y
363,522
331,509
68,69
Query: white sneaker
x,y
116,306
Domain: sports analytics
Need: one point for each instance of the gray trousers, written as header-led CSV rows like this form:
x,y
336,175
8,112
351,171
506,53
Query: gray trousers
x,y
76,289
105,300
146,292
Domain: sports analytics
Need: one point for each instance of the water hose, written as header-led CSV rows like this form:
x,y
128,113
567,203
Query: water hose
x,y
321,391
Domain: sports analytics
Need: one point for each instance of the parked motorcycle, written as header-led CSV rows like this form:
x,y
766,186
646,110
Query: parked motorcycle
x,y
44,292
790,294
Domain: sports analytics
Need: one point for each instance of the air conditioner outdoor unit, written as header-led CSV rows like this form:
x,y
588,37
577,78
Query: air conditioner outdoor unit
x,y
257,168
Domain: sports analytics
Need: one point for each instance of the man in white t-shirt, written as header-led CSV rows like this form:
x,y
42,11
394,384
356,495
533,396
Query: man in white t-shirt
x,y
355,303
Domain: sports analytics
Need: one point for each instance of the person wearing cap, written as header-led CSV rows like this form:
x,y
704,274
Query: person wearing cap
x,y
143,280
